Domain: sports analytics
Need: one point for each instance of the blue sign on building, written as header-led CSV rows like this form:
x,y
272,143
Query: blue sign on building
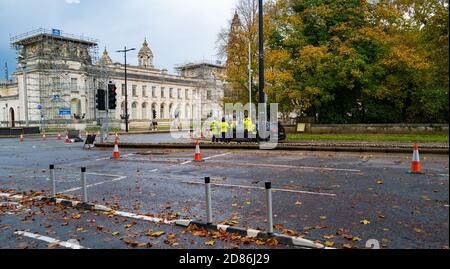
x,y
56,98
56,32
64,111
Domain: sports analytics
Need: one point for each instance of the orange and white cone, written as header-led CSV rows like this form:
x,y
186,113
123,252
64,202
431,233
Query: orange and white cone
x,y
59,136
116,154
198,155
21,139
67,138
416,166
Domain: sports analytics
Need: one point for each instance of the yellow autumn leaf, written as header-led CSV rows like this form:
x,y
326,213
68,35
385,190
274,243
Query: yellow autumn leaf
x,y
365,222
115,233
328,244
210,243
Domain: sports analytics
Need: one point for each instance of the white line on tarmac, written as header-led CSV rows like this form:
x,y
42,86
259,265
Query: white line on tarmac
x,y
141,217
208,158
299,167
49,240
96,184
260,188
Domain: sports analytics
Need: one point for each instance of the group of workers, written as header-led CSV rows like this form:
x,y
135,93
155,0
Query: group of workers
x,y
219,130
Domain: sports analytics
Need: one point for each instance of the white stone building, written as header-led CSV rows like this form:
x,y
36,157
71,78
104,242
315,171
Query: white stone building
x,y
58,76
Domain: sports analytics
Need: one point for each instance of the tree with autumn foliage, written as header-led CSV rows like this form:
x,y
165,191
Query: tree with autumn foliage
x,y
351,61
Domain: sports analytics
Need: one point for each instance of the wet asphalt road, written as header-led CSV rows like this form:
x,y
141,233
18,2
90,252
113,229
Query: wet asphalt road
x,y
323,196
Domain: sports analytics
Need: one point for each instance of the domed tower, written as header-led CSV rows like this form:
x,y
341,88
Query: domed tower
x,y
145,56
105,59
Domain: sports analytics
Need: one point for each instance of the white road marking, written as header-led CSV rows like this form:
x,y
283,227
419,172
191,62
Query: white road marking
x,y
50,240
116,178
141,217
260,188
208,158
299,167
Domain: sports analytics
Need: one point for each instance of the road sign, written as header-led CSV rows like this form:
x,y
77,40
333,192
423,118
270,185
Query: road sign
x,y
39,106
56,98
56,32
63,111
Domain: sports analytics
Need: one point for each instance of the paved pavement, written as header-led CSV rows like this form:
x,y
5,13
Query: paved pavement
x,y
341,199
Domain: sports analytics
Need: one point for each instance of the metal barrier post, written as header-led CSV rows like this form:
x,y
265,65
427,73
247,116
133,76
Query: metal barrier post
x,y
208,200
52,180
83,184
269,207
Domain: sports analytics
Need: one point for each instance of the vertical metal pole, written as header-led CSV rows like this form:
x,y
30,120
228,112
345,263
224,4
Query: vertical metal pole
x,y
83,184
126,92
107,111
250,77
208,200
262,98
52,180
269,207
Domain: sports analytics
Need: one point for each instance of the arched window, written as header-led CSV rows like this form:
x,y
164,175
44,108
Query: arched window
x,y
75,107
134,114
171,112
187,112
154,108
144,111
162,112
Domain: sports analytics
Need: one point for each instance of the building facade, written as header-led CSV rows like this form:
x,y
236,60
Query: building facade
x,y
58,75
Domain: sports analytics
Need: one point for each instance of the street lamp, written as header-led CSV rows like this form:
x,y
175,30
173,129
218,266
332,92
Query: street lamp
x,y
124,51
262,98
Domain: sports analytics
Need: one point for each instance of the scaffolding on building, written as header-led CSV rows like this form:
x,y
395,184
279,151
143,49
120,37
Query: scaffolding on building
x,y
57,67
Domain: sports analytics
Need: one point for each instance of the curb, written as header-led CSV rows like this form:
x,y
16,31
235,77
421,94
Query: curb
x,y
279,147
68,203
283,239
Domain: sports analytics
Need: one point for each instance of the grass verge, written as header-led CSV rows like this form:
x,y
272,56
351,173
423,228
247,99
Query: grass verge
x,y
372,137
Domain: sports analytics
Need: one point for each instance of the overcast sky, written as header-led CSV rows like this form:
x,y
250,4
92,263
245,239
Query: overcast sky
x,y
177,30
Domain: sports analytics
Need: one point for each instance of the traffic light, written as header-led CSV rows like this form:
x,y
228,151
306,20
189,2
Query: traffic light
x,y
112,96
100,99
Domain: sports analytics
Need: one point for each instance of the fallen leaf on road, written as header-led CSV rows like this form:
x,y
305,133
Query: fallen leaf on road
x,y
323,217
115,233
154,234
210,243
76,216
329,236
260,242
346,246
328,244
380,182
365,222
298,203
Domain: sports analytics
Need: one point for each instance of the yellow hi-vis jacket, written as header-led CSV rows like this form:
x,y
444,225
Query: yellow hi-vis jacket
x,y
214,129
224,127
248,124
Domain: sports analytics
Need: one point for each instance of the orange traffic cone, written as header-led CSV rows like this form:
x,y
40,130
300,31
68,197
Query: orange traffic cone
x,y
416,167
116,154
67,138
21,139
198,155
59,136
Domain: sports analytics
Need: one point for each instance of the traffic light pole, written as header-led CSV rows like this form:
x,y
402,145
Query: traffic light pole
x,y
107,114
125,50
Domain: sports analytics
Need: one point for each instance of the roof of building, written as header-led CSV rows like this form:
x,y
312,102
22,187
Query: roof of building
x,y
218,64
41,33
